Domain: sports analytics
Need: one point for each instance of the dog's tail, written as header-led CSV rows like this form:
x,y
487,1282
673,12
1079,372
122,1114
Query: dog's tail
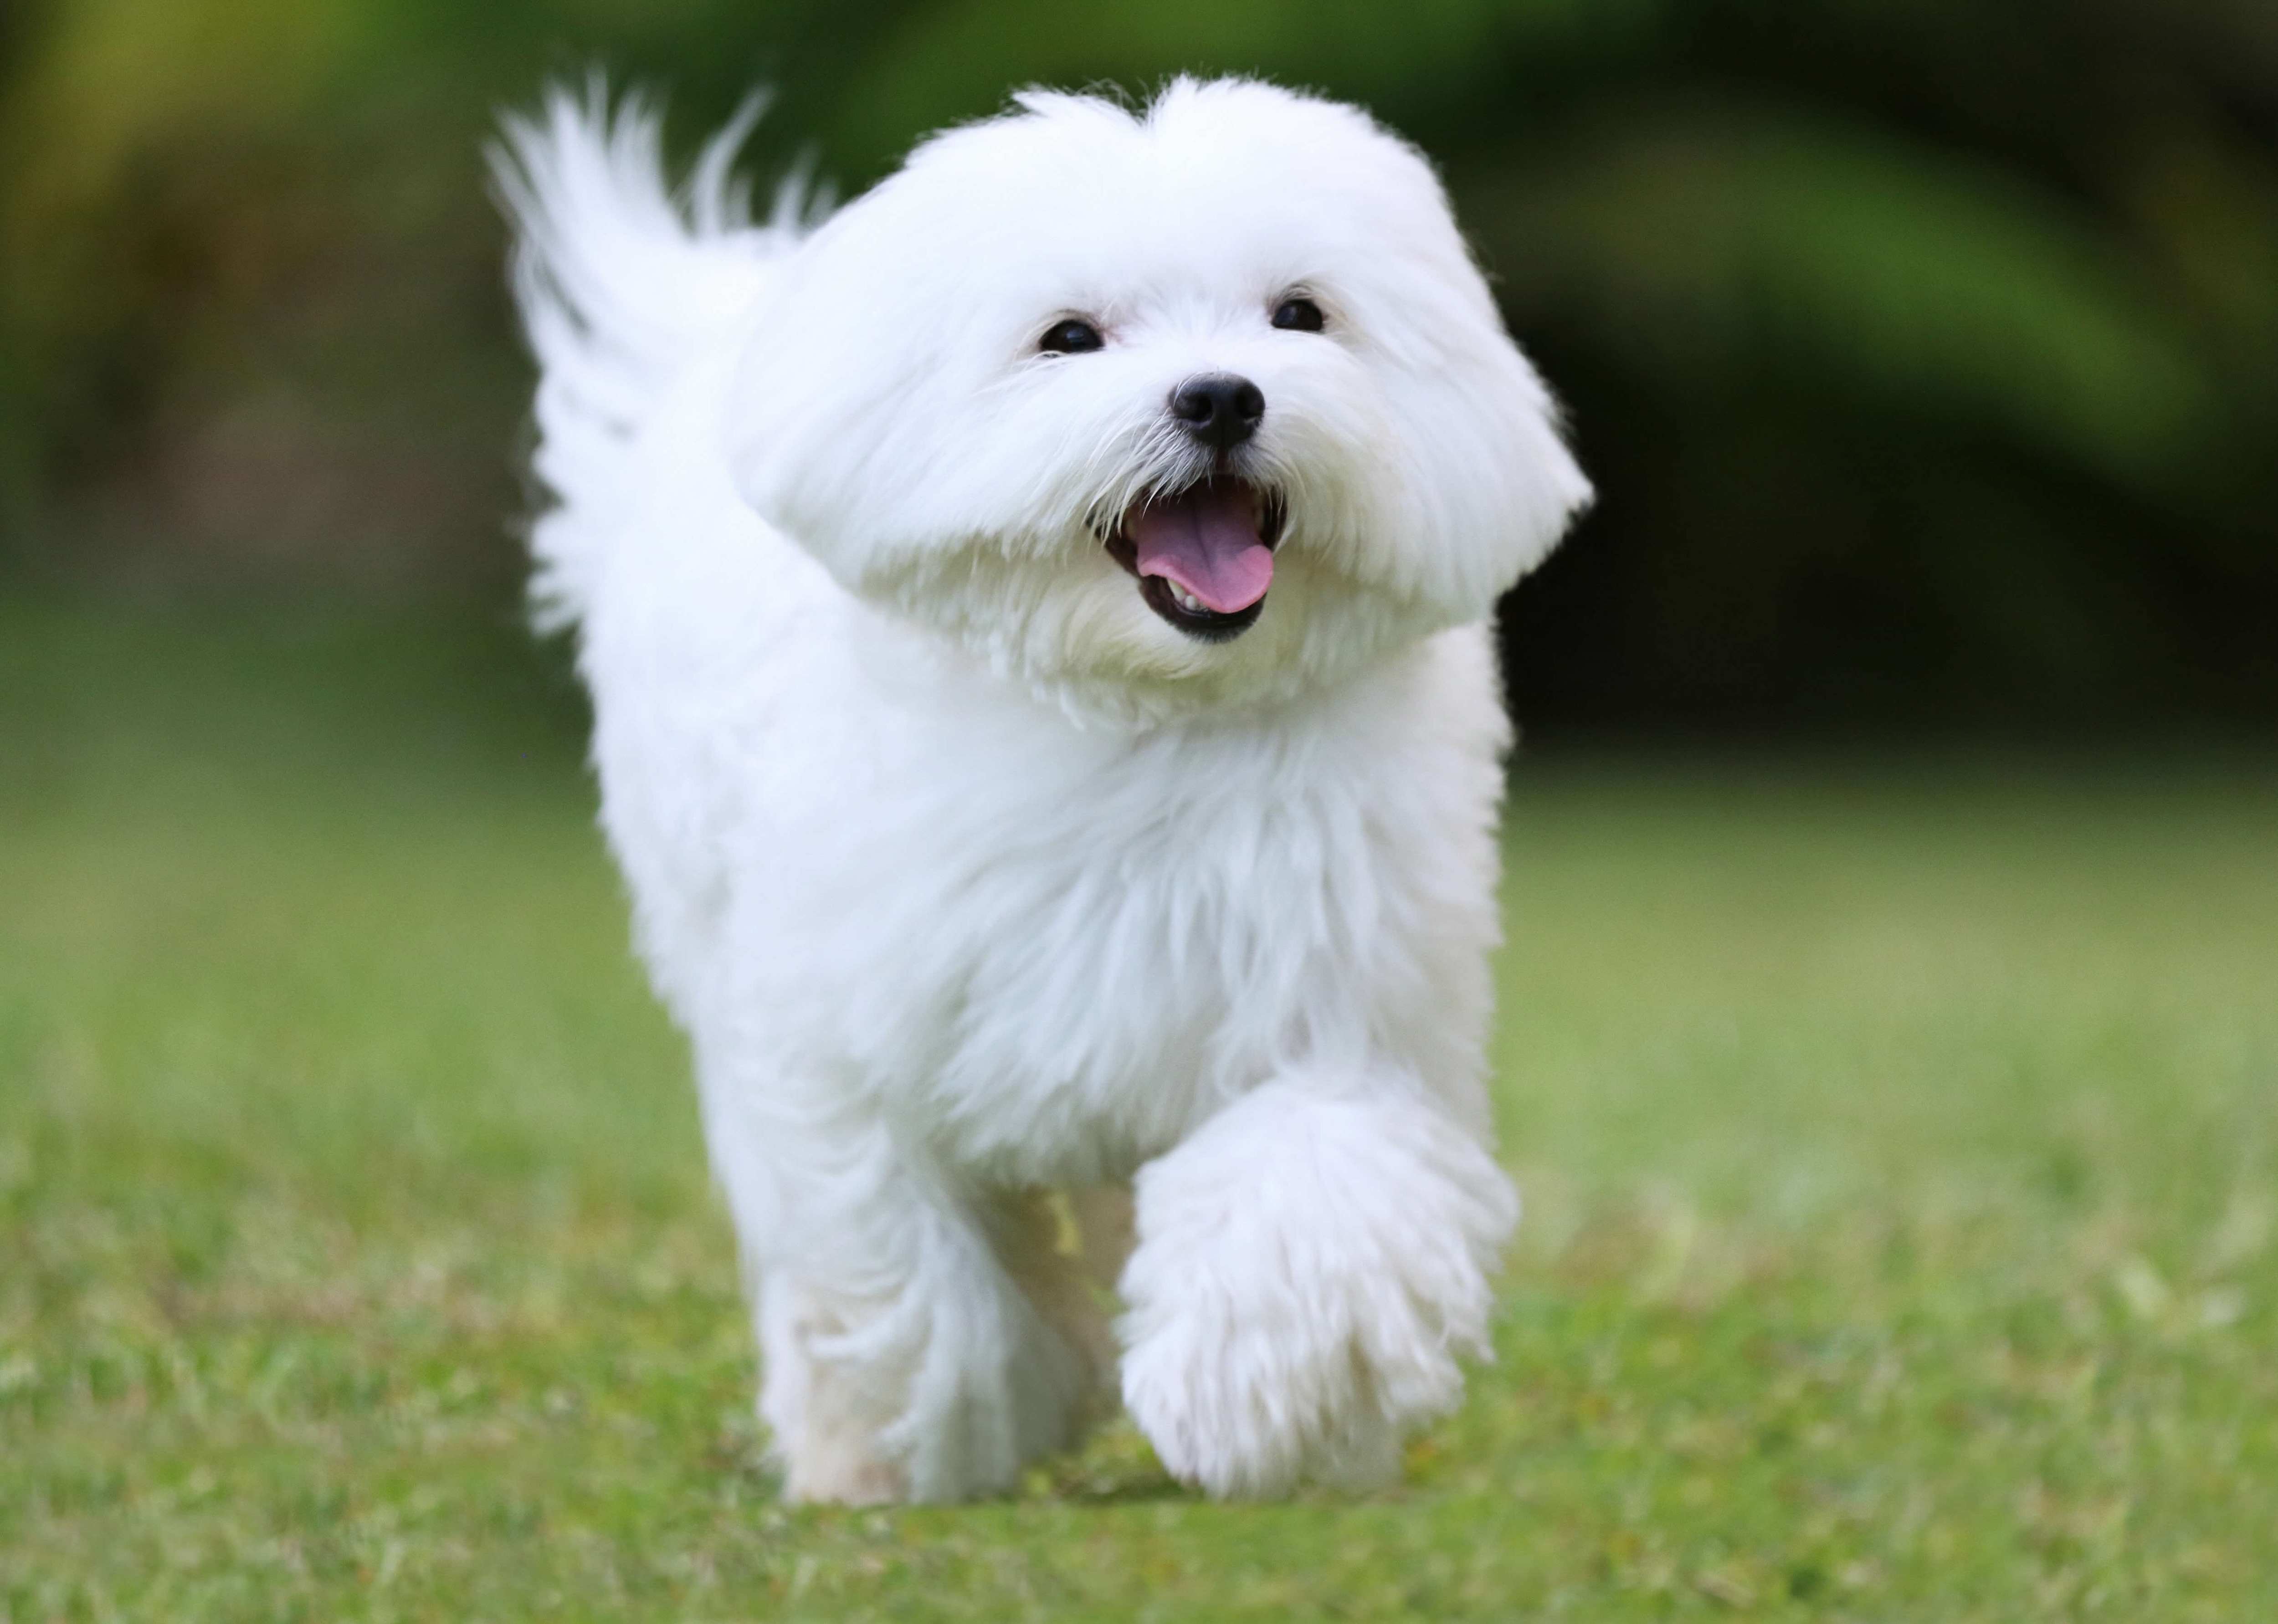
x,y
621,282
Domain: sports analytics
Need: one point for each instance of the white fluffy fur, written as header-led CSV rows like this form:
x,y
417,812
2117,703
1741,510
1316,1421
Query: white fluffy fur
x,y
968,876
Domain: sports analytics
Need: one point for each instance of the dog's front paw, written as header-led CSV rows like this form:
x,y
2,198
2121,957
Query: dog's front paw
x,y
1307,1266
1252,1410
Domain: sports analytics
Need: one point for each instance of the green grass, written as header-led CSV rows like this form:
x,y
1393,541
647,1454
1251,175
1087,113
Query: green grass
x,y
1897,1138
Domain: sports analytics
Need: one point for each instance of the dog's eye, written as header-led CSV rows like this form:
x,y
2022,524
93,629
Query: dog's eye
x,y
1297,315
1071,339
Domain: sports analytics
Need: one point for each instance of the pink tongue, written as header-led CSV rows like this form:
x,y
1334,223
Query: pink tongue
x,y
1206,541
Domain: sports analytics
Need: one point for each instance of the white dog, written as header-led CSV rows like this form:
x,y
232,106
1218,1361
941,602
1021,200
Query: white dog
x,y
1038,628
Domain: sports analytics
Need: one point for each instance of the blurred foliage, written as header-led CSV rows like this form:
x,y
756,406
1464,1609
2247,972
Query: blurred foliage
x,y
1926,352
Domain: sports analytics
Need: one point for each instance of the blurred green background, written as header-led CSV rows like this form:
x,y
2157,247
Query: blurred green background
x,y
1925,351
1895,1114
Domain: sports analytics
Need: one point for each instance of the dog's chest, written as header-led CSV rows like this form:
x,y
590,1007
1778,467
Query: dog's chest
x,y
1131,972
1050,953
1052,963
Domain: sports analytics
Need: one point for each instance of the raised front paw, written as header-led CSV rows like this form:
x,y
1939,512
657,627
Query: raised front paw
x,y
1251,1409
1308,1266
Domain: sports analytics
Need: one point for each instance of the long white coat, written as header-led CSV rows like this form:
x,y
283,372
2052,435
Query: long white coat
x,y
971,878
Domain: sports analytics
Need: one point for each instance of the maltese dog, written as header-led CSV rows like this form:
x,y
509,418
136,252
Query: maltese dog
x,y
1038,621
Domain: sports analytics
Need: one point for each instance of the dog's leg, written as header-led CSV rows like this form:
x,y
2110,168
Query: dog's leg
x,y
1308,1263
902,1359
826,1428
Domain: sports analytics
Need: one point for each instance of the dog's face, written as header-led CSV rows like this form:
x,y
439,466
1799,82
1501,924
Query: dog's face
x,y
1157,413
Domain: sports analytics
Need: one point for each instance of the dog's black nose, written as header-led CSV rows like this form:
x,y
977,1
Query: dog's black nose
x,y
1221,410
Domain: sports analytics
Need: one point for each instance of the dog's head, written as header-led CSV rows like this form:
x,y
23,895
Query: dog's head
x,y
1158,412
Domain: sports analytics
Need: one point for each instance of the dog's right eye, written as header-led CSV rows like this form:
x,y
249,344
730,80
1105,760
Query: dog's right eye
x,y
1071,339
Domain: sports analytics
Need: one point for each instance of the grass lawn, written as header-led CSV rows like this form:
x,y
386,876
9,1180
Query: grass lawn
x,y
1899,1137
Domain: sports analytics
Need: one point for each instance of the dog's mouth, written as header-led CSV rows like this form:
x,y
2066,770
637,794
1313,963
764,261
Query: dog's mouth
x,y
1203,555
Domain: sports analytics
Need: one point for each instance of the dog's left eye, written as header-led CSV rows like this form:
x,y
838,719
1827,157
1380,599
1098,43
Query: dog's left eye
x,y
1298,316
1071,339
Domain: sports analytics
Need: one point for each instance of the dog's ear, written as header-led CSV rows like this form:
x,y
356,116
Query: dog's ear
x,y
851,410
818,436
790,445
1490,481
